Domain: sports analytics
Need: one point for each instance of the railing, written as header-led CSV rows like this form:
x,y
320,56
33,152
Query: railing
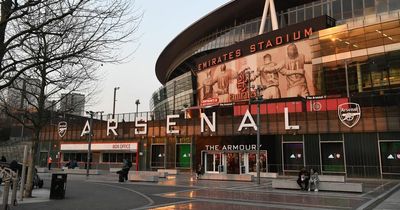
x,y
9,176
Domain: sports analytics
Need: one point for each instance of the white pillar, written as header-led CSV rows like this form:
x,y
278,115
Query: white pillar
x,y
269,4
274,18
264,17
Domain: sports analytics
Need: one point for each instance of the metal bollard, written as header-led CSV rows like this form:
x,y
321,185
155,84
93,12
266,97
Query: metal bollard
x,y
5,194
14,192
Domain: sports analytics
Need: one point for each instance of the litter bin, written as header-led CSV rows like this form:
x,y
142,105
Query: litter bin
x,y
58,186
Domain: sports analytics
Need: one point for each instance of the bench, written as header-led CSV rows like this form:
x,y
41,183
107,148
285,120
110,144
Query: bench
x,y
114,170
331,178
228,177
142,177
324,186
82,171
169,171
265,175
150,173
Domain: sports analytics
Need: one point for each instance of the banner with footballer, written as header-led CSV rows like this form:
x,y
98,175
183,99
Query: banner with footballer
x,y
284,71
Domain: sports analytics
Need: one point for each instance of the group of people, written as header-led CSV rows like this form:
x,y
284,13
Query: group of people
x,y
306,180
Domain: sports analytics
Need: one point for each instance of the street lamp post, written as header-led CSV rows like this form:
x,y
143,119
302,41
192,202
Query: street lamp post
x,y
91,113
258,100
137,102
115,95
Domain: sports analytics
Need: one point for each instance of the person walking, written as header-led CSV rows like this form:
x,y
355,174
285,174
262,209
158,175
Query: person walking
x,y
49,161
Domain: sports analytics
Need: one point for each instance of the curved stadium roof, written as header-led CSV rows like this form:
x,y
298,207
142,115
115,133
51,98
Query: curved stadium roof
x,y
236,10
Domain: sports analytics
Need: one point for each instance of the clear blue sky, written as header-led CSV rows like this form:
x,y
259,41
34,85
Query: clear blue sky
x,y
162,21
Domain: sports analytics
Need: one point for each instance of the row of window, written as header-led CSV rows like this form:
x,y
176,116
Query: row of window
x,y
338,9
182,158
106,157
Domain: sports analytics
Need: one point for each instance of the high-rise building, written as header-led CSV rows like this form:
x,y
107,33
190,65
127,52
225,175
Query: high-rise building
x,y
73,103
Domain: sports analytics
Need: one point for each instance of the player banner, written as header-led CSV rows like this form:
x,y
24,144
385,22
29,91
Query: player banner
x,y
284,71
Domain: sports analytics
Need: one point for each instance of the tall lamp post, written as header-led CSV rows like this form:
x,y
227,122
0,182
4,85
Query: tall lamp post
x,y
137,102
91,113
115,95
258,100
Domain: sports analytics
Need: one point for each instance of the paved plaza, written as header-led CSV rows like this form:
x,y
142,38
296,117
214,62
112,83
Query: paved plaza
x,y
103,192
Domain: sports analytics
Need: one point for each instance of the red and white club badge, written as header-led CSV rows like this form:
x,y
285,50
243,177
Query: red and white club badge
x,y
62,128
349,114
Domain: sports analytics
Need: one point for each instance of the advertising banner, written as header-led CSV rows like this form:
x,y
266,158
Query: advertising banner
x,y
282,72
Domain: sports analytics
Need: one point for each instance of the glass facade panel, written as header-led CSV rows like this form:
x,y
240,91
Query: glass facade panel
x,y
369,7
390,157
394,5
337,9
381,6
292,18
300,14
347,9
358,6
158,156
332,157
293,156
317,9
183,156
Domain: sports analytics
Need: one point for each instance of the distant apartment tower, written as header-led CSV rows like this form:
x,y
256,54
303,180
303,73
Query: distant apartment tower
x,y
23,94
73,103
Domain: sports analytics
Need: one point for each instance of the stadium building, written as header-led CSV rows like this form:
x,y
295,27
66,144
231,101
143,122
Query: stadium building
x,y
316,82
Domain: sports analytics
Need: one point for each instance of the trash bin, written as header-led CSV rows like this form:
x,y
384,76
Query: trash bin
x,y
58,186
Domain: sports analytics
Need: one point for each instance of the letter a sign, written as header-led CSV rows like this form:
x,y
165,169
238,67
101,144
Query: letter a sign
x,y
349,114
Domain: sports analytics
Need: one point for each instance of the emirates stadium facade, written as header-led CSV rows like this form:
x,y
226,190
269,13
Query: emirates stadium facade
x,y
347,56
316,82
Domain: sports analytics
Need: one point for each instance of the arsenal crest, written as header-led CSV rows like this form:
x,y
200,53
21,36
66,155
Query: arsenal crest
x,y
62,128
349,114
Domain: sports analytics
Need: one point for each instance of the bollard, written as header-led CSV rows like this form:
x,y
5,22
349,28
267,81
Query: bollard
x,y
5,194
14,192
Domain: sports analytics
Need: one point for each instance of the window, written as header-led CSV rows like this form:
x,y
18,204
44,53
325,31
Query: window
x,y
293,156
347,9
394,5
390,156
358,8
300,14
106,157
317,10
337,9
183,155
79,157
381,6
118,157
332,157
158,156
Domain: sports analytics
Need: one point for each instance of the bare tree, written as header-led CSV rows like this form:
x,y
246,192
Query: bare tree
x,y
54,47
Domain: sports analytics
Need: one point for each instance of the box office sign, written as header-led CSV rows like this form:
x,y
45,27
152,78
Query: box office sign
x,y
100,147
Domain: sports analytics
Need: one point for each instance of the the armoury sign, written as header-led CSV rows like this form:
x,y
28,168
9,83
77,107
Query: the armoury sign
x,y
349,114
279,61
